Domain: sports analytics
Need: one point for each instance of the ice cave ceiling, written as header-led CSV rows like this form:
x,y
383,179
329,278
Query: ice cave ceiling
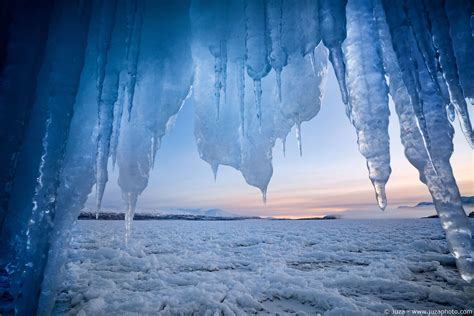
x,y
84,82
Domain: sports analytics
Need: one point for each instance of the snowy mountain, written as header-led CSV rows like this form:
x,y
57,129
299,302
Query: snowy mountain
x,y
213,212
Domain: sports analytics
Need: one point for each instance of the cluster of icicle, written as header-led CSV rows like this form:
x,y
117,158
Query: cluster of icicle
x,y
90,84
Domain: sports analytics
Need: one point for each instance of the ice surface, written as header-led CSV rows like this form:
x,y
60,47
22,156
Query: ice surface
x,y
255,69
264,267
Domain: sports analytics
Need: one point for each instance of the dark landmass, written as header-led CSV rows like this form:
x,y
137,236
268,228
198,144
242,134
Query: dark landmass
x,y
154,217
327,217
471,215
466,200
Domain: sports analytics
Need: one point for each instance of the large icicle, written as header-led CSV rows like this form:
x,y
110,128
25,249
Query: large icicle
x,y
442,41
128,78
213,30
421,29
332,19
164,77
459,14
256,46
107,22
404,45
133,53
368,93
442,185
33,201
218,141
311,32
108,89
77,175
23,57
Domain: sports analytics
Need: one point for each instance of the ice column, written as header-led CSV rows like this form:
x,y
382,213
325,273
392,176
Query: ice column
x,y
34,191
368,93
78,171
441,183
443,44
108,87
163,81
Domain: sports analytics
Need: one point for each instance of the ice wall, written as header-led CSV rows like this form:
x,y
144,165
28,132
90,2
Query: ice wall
x,y
85,85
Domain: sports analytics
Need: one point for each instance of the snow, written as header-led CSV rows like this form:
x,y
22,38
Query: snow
x,y
261,266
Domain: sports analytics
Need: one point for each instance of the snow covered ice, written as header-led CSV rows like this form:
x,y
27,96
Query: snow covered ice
x,y
261,266
89,84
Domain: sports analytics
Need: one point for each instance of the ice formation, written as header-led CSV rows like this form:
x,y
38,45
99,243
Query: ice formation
x,y
84,82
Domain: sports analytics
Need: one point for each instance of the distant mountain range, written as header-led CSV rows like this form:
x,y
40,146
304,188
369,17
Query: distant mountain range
x,y
195,214
156,216
466,200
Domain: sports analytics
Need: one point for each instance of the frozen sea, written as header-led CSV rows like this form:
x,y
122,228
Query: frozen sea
x,y
338,267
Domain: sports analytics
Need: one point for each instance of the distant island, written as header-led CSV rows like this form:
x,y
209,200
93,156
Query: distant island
x,y
326,217
466,200
471,215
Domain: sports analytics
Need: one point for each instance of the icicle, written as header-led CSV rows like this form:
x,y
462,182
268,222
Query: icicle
x,y
264,195
108,89
107,23
380,195
459,15
77,172
257,89
313,62
118,114
443,189
278,81
132,6
332,19
215,168
32,204
131,198
20,62
298,137
256,47
420,27
403,45
155,145
278,56
217,84
133,55
309,25
368,93
241,92
223,49
220,72
442,41
283,145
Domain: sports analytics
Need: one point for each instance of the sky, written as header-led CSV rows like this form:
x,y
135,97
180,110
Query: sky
x,y
330,178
